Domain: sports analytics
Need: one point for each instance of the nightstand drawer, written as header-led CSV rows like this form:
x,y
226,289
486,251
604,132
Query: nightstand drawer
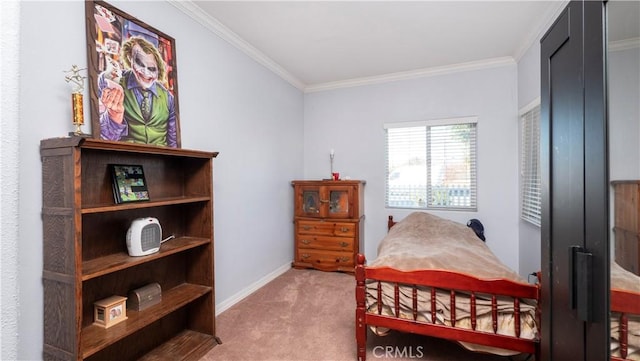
x,y
325,259
326,228
325,242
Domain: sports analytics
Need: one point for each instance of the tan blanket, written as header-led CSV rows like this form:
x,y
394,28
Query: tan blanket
x,y
424,241
624,280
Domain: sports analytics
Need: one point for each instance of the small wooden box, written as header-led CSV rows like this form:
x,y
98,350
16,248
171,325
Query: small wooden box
x,y
109,311
144,297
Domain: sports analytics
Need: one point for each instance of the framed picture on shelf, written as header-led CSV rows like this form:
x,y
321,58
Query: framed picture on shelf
x,y
109,311
129,184
133,78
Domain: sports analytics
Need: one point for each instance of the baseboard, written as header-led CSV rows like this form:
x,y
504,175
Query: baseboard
x,y
226,304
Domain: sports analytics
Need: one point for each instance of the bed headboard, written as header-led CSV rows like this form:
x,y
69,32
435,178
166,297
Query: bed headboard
x,y
480,234
390,223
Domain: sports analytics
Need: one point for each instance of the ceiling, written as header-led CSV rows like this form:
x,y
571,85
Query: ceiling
x,y
322,44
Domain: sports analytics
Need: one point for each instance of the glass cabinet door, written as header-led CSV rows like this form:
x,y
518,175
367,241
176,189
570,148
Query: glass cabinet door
x,y
311,202
338,202
339,198
324,201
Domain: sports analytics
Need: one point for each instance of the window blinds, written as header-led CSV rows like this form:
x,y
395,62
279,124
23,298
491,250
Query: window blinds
x,y
432,164
530,193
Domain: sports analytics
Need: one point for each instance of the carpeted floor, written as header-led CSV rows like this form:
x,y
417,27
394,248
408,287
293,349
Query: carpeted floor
x,y
310,315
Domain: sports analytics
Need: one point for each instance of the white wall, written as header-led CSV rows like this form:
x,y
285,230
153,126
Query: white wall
x,y
350,120
624,114
624,121
9,49
228,103
624,129
528,91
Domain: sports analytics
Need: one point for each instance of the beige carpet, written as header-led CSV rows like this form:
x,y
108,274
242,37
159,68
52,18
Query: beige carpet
x,y
309,315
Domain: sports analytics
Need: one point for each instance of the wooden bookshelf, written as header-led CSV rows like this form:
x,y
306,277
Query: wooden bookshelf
x,y
86,259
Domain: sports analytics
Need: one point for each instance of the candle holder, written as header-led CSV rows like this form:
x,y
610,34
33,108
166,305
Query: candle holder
x,y
331,155
73,76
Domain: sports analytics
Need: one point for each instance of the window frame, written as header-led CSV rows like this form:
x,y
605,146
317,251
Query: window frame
x,y
530,191
473,149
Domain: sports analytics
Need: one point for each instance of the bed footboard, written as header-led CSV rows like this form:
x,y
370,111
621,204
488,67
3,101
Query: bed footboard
x,y
458,287
624,304
361,309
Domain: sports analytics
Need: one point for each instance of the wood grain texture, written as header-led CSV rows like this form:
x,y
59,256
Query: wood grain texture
x,y
329,234
443,280
627,224
86,259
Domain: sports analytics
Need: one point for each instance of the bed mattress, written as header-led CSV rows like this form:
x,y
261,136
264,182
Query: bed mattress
x,y
423,241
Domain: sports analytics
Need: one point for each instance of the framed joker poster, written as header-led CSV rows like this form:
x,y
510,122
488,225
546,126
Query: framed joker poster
x,y
133,79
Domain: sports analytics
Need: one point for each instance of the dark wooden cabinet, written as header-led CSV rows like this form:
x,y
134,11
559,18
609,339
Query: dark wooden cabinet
x,y
329,224
626,225
575,187
86,260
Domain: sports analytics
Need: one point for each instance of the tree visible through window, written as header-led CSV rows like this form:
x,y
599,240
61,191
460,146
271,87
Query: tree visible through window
x,y
432,164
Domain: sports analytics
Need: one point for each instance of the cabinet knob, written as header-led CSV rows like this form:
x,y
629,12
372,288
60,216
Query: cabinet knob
x,y
324,201
305,241
305,255
344,244
343,259
306,228
344,229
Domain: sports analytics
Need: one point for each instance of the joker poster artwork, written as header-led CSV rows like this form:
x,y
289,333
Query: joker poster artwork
x,y
133,76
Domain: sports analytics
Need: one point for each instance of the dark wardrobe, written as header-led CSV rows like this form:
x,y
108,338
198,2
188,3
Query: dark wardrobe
x,y
576,249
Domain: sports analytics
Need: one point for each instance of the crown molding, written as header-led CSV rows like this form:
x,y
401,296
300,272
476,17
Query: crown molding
x,y
212,24
534,103
413,74
551,15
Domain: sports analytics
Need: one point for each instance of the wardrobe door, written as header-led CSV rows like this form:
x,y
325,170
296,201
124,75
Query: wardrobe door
x,y
574,190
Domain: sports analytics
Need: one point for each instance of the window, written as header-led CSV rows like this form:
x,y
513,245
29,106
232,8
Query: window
x,y
432,164
530,164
